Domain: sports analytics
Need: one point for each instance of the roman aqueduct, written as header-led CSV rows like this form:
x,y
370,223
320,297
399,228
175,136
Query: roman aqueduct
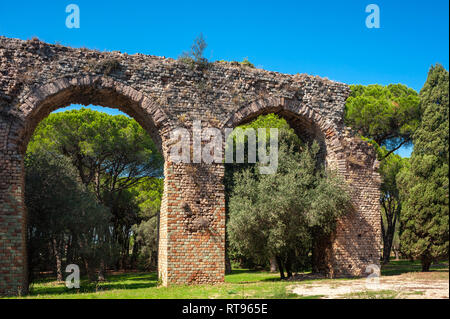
x,y
161,94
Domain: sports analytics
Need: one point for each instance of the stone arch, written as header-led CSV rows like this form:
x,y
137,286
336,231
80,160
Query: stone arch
x,y
354,244
37,77
43,100
34,107
307,123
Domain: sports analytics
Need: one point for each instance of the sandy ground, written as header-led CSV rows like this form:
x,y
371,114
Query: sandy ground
x,y
405,286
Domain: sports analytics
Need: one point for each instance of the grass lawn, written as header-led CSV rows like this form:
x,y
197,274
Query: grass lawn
x,y
240,284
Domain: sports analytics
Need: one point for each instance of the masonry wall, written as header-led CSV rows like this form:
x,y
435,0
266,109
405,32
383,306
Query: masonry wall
x,y
13,257
192,246
161,93
357,240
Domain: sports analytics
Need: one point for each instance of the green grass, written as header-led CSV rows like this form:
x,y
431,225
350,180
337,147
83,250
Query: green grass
x,y
240,284
398,267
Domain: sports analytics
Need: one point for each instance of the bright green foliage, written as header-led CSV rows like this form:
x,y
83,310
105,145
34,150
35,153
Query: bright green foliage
x,y
268,121
278,215
115,148
246,62
424,187
110,155
389,115
149,195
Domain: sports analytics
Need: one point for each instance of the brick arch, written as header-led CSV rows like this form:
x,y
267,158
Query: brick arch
x,y
161,93
302,118
354,244
43,100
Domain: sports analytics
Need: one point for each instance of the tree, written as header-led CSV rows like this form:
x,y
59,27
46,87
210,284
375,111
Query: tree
x,y
389,115
278,215
231,170
63,216
148,195
390,200
386,117
196,54
111,154
424,187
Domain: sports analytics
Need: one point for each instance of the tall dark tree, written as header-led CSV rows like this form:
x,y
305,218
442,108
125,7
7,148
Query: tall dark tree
x,y
424,187
390,201
64,218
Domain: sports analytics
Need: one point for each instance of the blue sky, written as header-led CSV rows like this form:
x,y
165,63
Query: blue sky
x,y
325,38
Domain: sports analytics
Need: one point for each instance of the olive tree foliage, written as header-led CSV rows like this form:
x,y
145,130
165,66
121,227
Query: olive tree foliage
x,y
424,185
278,215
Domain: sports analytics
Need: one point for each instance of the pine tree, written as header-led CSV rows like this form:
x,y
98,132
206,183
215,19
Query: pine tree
x,y
424,187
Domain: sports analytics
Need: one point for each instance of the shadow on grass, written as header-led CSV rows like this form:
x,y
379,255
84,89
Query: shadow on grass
x,y
113,282
244,282
398,267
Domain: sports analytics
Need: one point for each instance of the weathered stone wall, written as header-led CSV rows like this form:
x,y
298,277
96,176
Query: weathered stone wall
x,y
36,78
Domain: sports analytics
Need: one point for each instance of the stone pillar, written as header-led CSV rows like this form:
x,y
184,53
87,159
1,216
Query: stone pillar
x,y
192,225
13,261
357,240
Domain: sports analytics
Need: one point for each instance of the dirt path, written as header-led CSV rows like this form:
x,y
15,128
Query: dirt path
x,y
405,286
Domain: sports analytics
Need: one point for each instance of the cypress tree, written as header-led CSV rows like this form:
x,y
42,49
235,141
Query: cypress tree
x,y
424,185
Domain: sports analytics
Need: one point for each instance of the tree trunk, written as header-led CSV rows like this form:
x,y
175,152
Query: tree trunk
x,y
134,253
426,263
396,253
391,211
288,269
57,254
273,264
288,265
387,245
101,271
280,266
89,272
228,269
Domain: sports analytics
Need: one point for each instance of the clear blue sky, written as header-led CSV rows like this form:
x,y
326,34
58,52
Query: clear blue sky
x,y
325,38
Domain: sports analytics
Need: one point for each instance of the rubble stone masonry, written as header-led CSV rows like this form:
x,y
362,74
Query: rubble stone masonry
x,y
37,78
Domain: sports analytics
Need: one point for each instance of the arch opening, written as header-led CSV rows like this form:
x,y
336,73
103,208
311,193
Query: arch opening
x,y
318,257
89,95
136,107
304,128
